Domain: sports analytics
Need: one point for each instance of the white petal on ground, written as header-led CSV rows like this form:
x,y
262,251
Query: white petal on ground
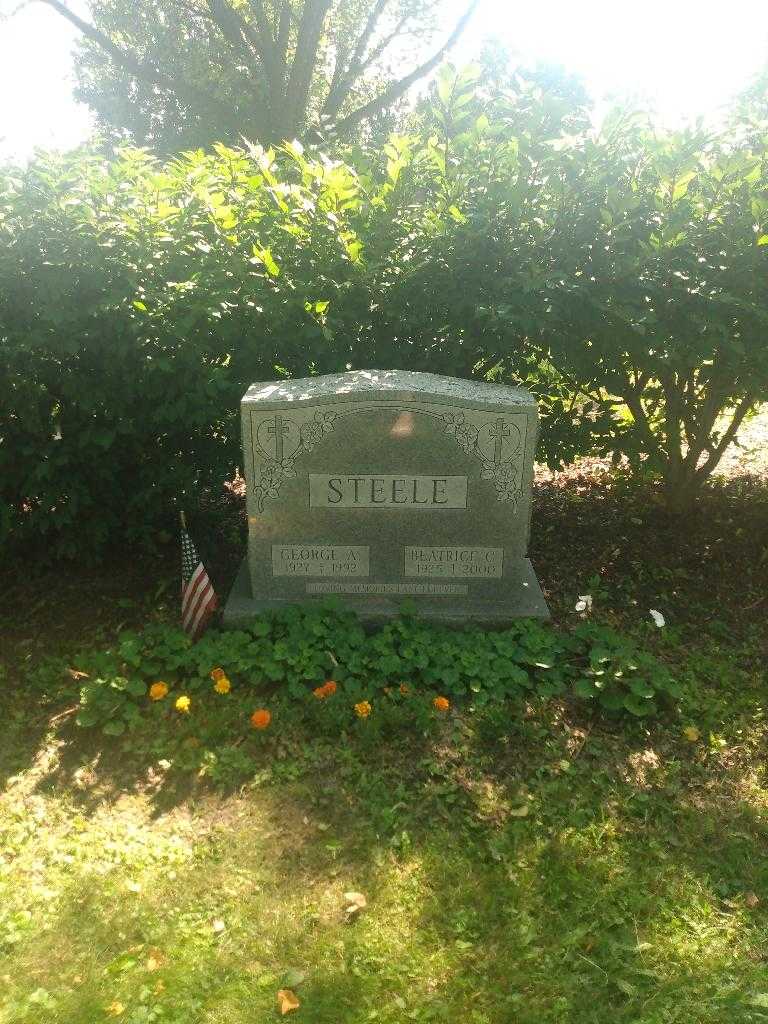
x,y
658,618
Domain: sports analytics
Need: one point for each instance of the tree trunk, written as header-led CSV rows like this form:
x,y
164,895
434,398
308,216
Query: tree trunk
x,y
681,492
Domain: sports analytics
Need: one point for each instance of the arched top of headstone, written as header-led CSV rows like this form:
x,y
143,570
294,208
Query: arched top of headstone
x,y
387,385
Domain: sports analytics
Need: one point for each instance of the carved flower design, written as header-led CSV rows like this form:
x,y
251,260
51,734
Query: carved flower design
x,y
274,472
465,433
313,433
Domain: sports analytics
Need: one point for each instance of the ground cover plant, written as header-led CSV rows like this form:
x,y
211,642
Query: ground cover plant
x,y
303,659
527,860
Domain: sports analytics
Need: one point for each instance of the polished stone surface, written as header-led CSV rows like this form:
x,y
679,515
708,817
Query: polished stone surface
x,y
386,485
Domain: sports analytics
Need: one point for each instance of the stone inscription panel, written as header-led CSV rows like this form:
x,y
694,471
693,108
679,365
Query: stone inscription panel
x,y
436,589
328,490
320,560
454,562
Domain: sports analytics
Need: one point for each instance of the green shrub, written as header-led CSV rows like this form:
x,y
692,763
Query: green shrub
x,y
136,301
281,659
620,276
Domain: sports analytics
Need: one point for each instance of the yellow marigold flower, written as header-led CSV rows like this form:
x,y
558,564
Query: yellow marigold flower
x,y
158,690
222,684
441,703
183,705
115,1009
363,709
404,689
692,734
260,719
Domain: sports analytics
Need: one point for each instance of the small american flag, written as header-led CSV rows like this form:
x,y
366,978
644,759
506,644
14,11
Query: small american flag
x,y
198,598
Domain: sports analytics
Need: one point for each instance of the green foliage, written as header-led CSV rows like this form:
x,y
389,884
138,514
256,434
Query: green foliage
x,y
621,276
618,676
282,658
112,703
180,77
135,302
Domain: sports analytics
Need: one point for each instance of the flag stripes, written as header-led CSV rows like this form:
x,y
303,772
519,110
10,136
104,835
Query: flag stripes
x,y
198,598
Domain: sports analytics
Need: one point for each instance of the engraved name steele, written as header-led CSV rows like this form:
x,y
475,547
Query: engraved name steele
x,y
369,491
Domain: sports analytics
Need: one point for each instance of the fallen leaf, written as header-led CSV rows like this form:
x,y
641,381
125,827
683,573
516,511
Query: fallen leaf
x,y
287,1001
154,960
354,903
751,900
77,674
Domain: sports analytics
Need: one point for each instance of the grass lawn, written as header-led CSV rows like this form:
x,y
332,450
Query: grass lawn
x,y
530,864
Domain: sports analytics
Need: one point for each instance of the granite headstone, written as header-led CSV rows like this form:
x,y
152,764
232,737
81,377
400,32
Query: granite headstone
x,y
381,486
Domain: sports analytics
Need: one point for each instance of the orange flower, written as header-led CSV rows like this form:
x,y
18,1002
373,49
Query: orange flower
x,y
217,674
330,687
158,690
404,689
260,719
326,690
441,703
363,709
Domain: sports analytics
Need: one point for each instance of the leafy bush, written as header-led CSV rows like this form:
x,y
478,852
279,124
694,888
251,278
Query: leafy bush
x,y
285,658
620,276
135,302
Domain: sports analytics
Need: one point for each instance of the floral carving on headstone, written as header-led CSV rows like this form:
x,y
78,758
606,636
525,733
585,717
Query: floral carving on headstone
x,y
497,446
286,443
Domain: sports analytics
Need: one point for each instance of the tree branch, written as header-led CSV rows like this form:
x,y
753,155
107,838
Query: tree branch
x,y
632,396
143,70
303,65
362,43
233,28
342,87
716,454
343,81
398,89
283,31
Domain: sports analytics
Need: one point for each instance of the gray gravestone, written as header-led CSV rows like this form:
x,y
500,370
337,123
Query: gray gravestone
x,y
389,485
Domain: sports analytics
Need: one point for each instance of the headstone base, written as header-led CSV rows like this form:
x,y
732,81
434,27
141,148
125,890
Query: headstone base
x,y
525,601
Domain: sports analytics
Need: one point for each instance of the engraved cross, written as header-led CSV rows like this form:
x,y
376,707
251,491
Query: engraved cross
x,y
278,430
499,434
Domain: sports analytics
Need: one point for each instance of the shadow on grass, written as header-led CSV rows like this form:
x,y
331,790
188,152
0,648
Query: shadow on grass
x,y
608,900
